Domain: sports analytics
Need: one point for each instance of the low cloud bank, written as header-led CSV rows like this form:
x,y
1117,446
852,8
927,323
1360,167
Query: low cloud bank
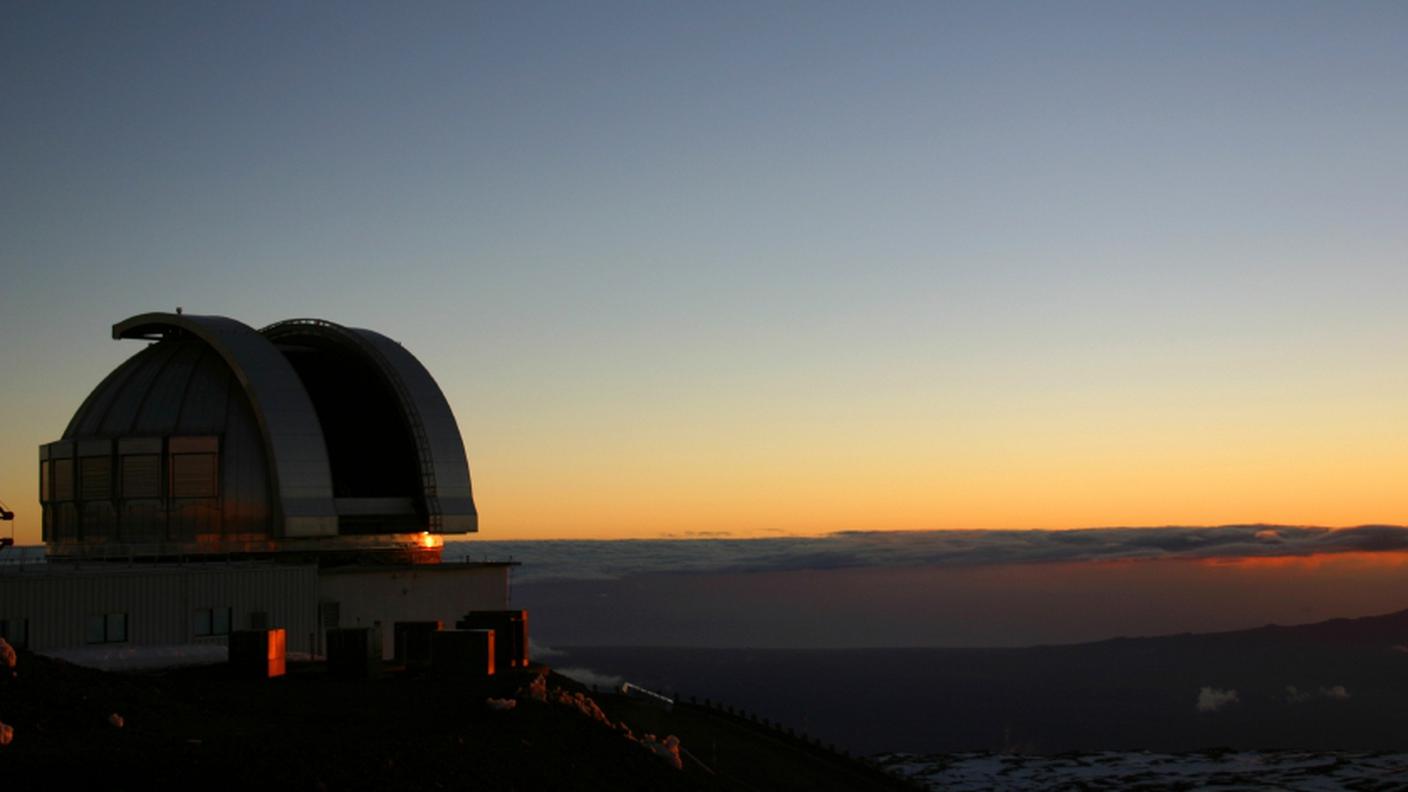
x,y
538,651
1211,699
1330,693
590,678
601,559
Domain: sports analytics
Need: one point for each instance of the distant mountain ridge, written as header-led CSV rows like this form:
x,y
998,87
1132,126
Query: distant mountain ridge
x,y
1335,684
1342,632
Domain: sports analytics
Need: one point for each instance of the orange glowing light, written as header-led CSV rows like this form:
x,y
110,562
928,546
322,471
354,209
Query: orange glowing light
x,y
430,541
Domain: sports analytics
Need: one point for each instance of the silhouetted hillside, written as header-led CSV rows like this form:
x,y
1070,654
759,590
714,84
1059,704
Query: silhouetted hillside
x,y
202,728
1340,684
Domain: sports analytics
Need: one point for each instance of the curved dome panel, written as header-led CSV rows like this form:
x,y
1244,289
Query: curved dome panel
x,y
436,449
297,456
179,388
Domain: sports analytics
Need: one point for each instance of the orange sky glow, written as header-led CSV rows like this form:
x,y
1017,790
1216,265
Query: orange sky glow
x,y
686,270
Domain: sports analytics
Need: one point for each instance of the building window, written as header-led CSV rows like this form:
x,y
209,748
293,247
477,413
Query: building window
x,y
211,621
329,614
107,628
44,494
63,479
141,476
193,476
15,632
95,478
195,466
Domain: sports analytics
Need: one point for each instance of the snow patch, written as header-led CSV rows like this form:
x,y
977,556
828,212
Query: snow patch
x,y
1118,770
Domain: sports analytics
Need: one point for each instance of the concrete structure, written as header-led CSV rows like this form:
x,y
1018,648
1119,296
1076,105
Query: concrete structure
x,y
59,606
510,634
62,605
302,476
463,653
379,597
259,654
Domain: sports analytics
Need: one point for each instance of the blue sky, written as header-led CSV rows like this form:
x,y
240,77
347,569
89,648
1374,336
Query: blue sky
x,y
693,266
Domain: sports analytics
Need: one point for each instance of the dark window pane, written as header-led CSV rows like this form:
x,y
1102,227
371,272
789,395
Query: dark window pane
x,y
193,476
201,622
116,627
95,630
221,622
141,476
202,444
63,479
44,494
95,474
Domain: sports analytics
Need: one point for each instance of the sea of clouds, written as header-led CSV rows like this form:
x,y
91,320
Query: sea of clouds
x,y
608,559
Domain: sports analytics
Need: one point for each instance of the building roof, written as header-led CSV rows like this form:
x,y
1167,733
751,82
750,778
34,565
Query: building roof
x,y
322,430
296,451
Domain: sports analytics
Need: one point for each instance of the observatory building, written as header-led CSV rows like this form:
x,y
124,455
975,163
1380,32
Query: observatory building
x,y
304,437
302,476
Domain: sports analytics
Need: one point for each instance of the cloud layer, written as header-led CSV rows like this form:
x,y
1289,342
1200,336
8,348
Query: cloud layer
x,y
573,559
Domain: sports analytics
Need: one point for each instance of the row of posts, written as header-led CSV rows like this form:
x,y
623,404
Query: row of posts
x,y
778,728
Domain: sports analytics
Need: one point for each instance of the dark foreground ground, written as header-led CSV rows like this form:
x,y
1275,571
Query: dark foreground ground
x,y
201,728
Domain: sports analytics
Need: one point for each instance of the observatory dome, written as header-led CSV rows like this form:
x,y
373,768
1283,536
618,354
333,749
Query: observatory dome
x,y
305,437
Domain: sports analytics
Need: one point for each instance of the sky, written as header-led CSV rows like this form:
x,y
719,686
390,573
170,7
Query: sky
x,y
755,268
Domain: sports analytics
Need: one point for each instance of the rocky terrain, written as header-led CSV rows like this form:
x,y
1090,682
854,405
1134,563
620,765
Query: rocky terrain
x,y
202,727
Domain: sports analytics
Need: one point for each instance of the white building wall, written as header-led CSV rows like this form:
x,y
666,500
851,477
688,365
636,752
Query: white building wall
x,y
160,601
371,597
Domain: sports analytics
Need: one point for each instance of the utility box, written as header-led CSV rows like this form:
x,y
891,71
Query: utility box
x,y
413,642
510,634
258,653
354,652
468,653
